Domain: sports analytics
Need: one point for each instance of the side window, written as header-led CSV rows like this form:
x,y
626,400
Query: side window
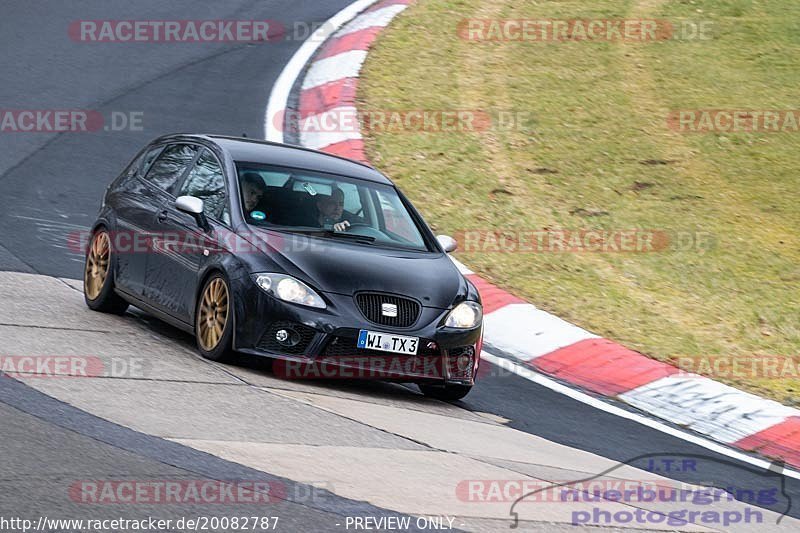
x,y
206,181
352,201
395,216
147,158
170,166
139,166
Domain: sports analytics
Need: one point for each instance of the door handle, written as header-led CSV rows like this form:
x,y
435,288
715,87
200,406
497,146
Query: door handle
x,y
162,216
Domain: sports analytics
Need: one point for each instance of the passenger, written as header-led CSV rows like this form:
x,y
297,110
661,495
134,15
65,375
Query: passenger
x,y
253,190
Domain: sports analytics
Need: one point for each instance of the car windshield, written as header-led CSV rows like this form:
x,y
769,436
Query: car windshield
x,y
327,206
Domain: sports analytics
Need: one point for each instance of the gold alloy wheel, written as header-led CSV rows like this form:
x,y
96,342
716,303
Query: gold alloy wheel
x,y
97,261
213,314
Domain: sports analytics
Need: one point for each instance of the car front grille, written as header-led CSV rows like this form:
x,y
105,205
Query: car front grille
x,y
371,306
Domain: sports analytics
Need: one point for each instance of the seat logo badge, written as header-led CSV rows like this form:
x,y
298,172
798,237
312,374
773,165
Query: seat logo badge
x,y
389,310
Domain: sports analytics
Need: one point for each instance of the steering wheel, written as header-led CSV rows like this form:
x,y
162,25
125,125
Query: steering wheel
x,y
363,229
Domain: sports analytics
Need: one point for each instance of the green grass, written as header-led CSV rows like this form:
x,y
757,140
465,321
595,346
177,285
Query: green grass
x,y
598,112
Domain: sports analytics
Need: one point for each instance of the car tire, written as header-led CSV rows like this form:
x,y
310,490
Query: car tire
x,y
448,393
98,276
213,324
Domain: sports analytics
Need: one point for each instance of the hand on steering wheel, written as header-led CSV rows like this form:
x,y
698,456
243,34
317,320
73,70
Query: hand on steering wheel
x,y
345,225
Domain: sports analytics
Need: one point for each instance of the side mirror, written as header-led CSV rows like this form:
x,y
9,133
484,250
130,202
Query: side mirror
x,y
193,206
447,243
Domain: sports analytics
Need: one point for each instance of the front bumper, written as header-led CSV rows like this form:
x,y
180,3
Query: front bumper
x,y
325,341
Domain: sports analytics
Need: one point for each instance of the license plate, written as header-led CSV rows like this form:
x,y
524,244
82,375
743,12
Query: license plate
x,y
385,342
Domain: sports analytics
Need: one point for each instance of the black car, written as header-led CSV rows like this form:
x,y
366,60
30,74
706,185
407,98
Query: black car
x,y
314,260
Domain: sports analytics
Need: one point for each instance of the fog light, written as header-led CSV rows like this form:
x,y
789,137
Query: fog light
x,y
287,337
460,362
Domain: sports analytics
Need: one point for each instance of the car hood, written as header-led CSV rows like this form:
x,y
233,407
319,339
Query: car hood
x,y
337,266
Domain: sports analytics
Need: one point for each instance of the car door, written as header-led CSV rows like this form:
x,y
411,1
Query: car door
x,y
161,180
173,279
134,204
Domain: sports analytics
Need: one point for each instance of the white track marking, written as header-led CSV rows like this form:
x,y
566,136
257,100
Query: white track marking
x,y
592,401
526,332
708,407
279,97
334,68
378,18
333,126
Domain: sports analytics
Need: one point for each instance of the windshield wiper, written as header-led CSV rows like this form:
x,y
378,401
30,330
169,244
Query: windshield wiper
x,y
366,239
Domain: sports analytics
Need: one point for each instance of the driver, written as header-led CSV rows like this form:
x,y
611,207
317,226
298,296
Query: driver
x,y
330,211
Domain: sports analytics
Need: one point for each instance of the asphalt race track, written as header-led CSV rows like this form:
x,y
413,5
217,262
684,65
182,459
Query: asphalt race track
x,y
335,450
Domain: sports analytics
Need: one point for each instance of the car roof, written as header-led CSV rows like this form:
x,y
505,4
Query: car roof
x,y
269,153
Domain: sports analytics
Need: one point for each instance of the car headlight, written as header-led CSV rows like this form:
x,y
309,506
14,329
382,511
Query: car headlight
x,y
289,289
465,315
